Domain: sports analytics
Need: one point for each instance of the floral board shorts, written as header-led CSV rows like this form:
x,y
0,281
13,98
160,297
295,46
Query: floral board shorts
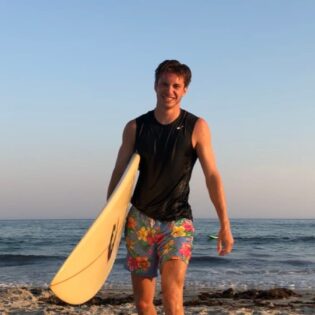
x,y
150,242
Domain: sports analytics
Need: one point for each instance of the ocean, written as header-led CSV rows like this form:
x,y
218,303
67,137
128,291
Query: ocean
x,y
267,253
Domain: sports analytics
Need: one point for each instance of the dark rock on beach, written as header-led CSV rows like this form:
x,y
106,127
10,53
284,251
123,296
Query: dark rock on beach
x,y
277,293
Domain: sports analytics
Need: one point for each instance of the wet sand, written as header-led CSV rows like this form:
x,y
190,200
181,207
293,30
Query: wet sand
x,y
32,300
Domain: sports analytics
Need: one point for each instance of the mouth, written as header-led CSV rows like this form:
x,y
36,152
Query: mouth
x,y
168,98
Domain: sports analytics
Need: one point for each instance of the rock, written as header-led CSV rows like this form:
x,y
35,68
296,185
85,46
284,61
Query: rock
x,y
248,294
36,291
229,293
271,294
277,293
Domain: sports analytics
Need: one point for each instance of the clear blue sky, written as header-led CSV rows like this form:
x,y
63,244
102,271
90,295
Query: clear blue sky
x,y
74,72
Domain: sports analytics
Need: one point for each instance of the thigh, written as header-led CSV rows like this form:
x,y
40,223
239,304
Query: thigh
x,y
172,282
173,274
143,288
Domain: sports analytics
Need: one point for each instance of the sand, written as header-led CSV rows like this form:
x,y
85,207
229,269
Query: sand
x,y
32,300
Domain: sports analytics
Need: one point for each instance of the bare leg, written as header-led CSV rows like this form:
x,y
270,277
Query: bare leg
x,y
144,289
173,279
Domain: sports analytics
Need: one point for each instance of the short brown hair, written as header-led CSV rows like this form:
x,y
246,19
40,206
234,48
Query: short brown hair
x,y
176,67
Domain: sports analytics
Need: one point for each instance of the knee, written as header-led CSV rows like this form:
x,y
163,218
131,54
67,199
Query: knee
x,y
173,308
144,306
173,304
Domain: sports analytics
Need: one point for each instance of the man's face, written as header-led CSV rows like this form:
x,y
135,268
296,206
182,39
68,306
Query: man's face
x,y
170,89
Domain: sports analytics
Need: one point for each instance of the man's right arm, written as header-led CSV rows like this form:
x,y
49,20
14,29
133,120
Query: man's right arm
x,y
126,149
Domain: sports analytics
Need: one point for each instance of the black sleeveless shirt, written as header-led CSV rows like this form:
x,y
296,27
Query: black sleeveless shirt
x,y
167,161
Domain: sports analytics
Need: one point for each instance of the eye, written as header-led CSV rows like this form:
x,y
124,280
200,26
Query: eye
x,y
164,84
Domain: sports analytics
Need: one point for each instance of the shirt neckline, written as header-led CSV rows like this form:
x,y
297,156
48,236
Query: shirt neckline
x,y
169,124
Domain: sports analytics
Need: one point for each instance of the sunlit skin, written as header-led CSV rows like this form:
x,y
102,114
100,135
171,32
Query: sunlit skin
x,y
169,90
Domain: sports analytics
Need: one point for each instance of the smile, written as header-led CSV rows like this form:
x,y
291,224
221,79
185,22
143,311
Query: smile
x,y
168,98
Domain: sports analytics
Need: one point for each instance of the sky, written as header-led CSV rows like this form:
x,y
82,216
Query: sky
x,y
73,73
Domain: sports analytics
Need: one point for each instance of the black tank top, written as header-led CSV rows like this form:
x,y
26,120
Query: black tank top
x,y
167,161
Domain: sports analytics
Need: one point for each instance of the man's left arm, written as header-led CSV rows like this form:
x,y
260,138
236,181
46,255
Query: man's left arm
x,y
202,143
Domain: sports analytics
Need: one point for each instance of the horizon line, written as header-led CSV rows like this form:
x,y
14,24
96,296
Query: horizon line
x,y
206,218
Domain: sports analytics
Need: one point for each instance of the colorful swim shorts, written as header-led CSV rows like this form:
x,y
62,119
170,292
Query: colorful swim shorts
x,y
150,242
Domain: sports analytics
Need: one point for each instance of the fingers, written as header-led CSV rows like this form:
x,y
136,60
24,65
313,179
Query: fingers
x,y
219,246
224,247
225,250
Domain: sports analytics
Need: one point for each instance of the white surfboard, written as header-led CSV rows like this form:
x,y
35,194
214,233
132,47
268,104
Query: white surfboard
x,y
85,270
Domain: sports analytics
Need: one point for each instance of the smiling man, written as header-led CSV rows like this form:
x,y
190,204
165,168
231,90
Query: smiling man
x,y
159,227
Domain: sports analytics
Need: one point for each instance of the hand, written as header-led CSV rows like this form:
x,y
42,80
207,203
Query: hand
x,y
225,241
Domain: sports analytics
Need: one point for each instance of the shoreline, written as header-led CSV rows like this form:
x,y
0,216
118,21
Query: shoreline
x,y
40,300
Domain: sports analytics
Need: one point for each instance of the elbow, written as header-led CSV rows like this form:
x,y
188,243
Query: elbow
x,y
213,179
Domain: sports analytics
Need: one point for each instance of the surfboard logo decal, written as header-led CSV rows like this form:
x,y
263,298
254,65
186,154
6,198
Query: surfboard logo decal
x,y
112,241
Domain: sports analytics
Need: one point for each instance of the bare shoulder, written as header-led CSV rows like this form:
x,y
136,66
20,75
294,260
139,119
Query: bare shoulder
x,y
201,132
201,125
130,130
131,126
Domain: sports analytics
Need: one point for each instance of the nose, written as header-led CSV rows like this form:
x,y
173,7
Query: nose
x,y
169,90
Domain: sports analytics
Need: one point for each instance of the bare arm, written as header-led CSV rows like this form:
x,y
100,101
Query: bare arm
x,y
125,151
202,142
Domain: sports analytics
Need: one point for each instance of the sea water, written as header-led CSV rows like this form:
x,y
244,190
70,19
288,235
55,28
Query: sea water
x,y
267,253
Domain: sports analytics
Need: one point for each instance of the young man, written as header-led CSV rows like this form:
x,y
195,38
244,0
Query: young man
x,y
159,228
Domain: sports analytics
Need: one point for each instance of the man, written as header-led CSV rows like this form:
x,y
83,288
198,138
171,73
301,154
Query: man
x,y
159,228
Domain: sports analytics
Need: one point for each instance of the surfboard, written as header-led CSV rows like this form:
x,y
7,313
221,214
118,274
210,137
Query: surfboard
x,y
87,267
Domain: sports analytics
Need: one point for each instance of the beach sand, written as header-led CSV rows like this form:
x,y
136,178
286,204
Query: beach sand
x,y
32,300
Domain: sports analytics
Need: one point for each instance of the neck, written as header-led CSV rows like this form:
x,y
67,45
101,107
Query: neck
x,y
166,116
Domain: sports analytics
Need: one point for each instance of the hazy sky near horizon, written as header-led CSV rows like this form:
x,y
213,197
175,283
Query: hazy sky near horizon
x,y
74,72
